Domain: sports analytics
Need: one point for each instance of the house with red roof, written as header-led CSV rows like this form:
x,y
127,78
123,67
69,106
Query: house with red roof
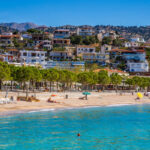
x,y
7,39
111,71
135,59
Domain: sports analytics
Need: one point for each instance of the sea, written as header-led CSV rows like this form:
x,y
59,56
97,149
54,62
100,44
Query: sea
x,y
93,128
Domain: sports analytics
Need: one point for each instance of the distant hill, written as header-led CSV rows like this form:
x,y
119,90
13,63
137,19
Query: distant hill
x,y
124,31
6,29
19,26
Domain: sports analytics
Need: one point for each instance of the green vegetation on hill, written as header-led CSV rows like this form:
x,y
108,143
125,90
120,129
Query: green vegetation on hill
x,y
34,31
80,40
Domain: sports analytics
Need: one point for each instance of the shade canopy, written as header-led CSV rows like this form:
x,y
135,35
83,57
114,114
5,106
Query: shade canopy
x,y
140,95
53,95
86,93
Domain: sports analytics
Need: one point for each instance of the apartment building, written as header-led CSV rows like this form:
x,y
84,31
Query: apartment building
x,y
32,57
61,33
85,49
85,31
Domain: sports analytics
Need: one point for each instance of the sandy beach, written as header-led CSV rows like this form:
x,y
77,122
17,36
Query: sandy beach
x,y
95,99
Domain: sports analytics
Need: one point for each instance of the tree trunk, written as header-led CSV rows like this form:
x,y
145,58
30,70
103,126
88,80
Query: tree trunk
x,y
11,85
57,86
0,84
50,86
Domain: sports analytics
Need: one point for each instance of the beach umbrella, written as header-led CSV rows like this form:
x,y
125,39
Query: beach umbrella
x,y
86,94
53,95
140,95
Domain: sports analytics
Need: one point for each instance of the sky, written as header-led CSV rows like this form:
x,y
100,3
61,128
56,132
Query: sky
x,y
76,12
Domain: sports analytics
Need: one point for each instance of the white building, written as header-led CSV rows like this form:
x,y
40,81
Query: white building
x,y
85,49
45,44
61,55
97,57
131,44
85,31
65,65
111,34
32,57
138,39
61,33
26,36
106,49
138,67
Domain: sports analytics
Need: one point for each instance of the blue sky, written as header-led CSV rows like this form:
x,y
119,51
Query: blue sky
x,y
76,12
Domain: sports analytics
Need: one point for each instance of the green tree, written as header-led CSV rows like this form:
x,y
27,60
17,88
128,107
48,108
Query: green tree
x,y
116,79
117,42
69,78
84,78
103,78
93,78
76,40
106,40
23,76
36,77
33,31
4,73
50,75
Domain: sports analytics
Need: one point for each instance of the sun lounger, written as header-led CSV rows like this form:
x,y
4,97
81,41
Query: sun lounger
x,y
6,101
21,98
33,99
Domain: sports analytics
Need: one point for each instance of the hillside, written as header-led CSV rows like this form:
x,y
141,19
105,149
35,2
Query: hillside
x,y
19,26
6,29
125,31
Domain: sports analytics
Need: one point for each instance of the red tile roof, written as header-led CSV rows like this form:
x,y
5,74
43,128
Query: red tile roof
x,y
85,46
12,50
110,71
128,51
10,36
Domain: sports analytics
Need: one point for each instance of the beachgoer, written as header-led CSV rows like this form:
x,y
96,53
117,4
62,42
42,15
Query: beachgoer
x,y
49,100
78,134
12,98
137,99
66,96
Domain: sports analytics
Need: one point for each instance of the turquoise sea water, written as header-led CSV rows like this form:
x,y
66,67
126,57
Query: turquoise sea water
x,y
101,128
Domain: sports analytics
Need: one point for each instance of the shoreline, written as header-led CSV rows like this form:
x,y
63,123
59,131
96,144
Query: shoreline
x,y
94,100
15,112
24,111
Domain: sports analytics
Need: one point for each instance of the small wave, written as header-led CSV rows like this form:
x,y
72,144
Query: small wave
x,y
118,105
41,110
52,109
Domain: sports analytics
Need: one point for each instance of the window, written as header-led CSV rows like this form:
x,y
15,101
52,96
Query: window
x,y
33,60
91,50
33,54
24,54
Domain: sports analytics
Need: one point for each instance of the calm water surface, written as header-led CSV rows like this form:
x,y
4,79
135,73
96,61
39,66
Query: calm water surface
x,y
103,128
